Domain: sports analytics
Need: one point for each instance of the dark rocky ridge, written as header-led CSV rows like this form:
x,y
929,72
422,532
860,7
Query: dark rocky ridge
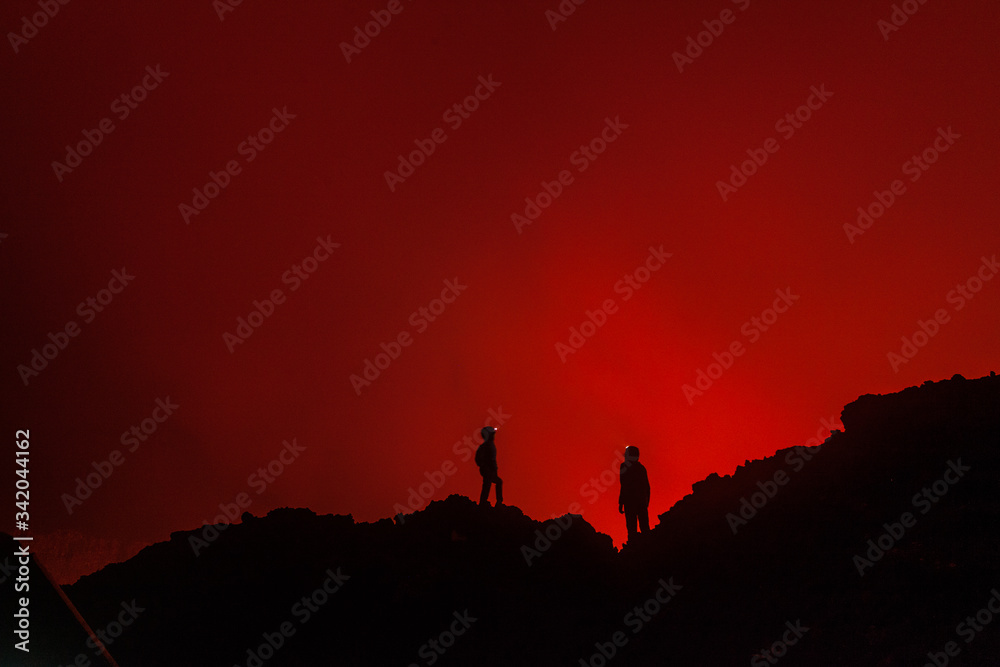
x,y
792,561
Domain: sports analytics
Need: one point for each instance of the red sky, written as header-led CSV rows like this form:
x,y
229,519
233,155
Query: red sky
x,y
877,101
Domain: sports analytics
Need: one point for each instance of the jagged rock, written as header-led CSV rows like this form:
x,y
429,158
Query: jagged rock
x,y
870,549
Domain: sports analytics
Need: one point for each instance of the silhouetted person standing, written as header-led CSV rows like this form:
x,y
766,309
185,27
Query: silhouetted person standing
x,y
486,459
633,499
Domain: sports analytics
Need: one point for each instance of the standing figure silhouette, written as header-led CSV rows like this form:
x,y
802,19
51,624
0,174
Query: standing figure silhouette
x,y
486,459
633,499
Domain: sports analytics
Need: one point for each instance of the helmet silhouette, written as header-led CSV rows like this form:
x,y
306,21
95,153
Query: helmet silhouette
x,y
487,432
632,453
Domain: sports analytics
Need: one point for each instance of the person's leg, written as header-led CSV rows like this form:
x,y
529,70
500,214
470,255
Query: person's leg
x,y
485,493
630,520
644,519
499,483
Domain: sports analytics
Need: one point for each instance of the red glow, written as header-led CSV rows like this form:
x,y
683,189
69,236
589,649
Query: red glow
x,y
322,176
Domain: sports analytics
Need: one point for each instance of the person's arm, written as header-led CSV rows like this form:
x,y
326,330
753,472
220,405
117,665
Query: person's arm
x,y
621,489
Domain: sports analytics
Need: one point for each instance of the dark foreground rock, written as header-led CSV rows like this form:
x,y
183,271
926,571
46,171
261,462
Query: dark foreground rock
x,y
873,549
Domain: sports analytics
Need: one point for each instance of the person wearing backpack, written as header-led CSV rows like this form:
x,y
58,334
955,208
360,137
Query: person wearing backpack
x,y
633,499
486,459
